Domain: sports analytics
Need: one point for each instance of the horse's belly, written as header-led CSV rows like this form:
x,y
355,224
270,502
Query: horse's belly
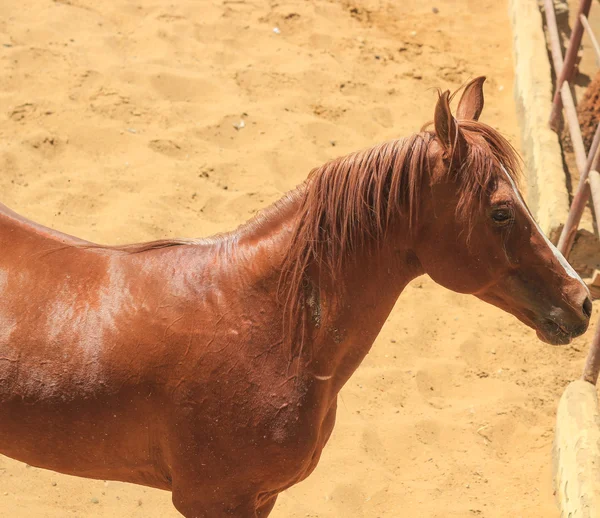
x,y
91,436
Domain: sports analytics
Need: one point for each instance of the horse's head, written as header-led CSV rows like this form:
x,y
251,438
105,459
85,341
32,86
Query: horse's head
x,y
476,234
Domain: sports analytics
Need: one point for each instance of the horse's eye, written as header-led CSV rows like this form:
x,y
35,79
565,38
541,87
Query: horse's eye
x,y
502,216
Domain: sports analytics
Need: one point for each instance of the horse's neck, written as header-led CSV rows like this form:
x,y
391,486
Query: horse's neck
x,y
348,313
357,308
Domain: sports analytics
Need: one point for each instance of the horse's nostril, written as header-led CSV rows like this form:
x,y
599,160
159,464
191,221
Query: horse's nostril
x,y
587,307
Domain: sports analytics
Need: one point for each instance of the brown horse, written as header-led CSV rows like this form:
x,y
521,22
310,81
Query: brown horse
x,y
211,368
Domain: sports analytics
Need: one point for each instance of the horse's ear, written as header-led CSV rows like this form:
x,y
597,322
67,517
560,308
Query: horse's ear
x,y
470,105
448,132
446,127
444,123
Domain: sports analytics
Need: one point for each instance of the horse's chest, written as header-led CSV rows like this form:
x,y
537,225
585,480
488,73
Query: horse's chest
x,y
296,437
259,434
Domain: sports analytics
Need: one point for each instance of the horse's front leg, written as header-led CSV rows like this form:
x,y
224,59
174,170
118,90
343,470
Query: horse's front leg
x,y
219,504
265,509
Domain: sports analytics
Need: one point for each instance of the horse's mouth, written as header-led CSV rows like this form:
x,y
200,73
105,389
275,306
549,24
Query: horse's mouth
x,y
553,333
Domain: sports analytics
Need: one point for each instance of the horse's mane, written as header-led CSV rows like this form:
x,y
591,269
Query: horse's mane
x,y
350,202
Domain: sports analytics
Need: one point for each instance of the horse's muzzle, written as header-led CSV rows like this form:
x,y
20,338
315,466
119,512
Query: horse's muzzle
x,y
562,327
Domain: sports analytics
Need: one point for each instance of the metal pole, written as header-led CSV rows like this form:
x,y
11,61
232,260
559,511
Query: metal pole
x,y
592,363
584,163
594,181
592,36
571,56
589,178
582,195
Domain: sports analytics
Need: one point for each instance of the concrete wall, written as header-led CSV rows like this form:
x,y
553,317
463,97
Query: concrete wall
x,y
545,178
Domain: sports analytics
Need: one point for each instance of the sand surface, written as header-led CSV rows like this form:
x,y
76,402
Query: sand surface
x,y
117,125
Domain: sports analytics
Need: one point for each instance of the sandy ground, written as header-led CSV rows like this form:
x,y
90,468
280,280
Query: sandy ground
x,y
117,125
